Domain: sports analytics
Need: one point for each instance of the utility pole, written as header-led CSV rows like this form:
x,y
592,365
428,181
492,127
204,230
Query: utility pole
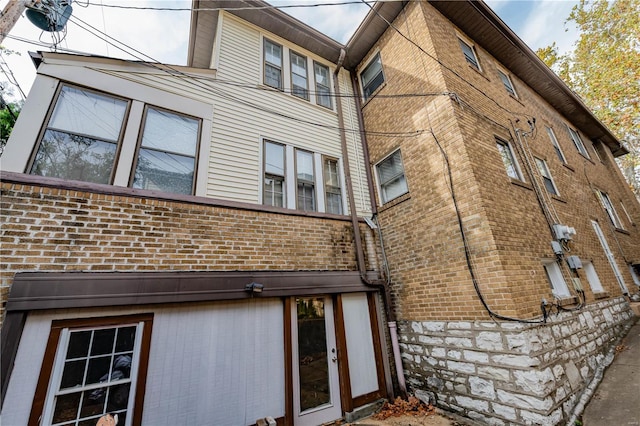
x,y
11,14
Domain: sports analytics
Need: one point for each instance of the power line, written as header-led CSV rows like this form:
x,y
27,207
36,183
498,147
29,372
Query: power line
x,y
194,82
214,9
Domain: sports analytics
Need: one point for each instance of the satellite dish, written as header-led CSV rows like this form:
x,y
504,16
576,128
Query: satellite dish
x,y
50,15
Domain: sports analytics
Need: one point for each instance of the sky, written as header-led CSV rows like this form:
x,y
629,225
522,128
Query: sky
x,y
163,35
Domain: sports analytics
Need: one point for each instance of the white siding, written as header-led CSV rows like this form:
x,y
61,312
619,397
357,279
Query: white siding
x,y
220,363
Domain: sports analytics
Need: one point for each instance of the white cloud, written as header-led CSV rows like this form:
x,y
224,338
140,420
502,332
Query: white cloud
x,y
545,25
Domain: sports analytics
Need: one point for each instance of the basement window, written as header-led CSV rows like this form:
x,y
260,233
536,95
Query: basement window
x,y
592,277
95,367
391,178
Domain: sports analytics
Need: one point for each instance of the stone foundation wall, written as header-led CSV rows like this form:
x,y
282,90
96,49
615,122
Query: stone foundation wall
x,y
503,373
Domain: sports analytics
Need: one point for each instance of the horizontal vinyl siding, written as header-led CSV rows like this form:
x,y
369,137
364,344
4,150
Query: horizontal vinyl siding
x,y
238,129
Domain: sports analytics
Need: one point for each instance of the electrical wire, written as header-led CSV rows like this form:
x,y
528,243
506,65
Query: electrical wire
x,y
216,91
6,70
239,8
445,66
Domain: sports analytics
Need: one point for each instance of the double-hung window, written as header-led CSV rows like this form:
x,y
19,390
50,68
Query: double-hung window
x,y
272,64
99,368
546,176
333,192
508,85
323,91
82,137
372,77
274,175
167,154
508,159
556,145
391,177
575,137
469,54
299,79
608,207
556,280
305,181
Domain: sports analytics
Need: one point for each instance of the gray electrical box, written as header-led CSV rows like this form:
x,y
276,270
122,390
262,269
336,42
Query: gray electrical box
x,y
574,262
557,247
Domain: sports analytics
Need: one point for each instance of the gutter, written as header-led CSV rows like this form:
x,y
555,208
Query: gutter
x,y
381,285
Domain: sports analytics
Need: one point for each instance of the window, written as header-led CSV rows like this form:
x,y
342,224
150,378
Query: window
x,y
372,77
509,160
333,193
82,137
507,83
556,145
469,54
323,92
274,173
391,177
99,367
608,207
609,254
595,150
305,181
556,280
575,137
167,154
626,213
592,277
272,64
546,176
299,84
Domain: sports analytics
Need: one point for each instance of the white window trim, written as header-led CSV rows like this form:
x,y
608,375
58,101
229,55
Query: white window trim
x,y
592,277
516,164
290,178
501,73
556,279
556,144
546,173
610,209
58,367
379,183
609,255
368,62
577,141
472,46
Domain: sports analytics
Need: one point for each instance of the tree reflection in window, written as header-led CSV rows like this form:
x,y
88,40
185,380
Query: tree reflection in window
x,y
81,138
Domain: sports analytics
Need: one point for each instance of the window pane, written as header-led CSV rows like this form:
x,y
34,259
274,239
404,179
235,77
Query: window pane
x,y
507,83
272,76
507,159
391,167
322,75
298,65
331,176
394,188
164,172
92,403
73,374
306,196
274,158
304,165
334,202
102,341
87,113
121,368
323,93
372,77
126,338
66,407
273,53
98,370
273,191
118,398
469,54
70,156
170,132
323,96
78,344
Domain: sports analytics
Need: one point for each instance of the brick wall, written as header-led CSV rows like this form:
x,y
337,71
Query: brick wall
x,y
507,232
55,229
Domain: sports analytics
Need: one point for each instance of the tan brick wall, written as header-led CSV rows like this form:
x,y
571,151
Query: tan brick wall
x,y
48,229
507,231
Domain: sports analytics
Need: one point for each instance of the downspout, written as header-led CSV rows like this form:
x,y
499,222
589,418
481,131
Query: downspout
x,y
362,267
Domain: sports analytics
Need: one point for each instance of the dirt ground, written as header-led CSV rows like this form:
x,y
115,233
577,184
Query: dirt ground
x,y
408,420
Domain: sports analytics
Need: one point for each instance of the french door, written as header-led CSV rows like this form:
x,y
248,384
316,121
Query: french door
x,y
316,389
